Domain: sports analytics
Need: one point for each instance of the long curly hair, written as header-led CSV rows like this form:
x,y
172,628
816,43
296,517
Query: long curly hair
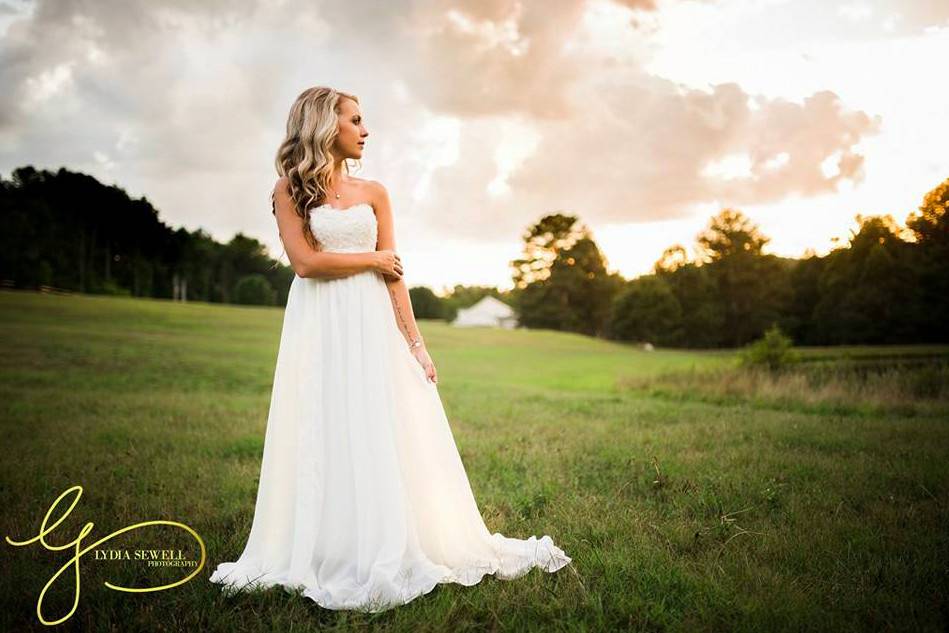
x,y
304,156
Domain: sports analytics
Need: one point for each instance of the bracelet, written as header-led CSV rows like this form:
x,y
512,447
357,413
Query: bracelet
x,y
416,343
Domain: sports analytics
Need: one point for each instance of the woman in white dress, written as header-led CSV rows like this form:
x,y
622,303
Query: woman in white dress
x,y
363,501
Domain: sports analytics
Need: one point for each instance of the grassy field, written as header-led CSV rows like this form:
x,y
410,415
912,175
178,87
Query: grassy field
x,y
692,496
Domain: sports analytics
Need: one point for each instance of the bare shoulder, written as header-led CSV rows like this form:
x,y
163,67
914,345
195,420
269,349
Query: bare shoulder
x,y
377,194
281,189
282,184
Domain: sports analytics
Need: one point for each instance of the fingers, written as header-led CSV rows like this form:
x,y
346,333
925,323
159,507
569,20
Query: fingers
x,y
396,264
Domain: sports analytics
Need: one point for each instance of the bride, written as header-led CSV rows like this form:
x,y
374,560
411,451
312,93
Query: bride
x,y
363,502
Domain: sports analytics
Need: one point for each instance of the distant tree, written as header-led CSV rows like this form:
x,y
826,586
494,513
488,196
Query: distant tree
x,y
254,289
242,255
646,310
580,274
542,243
425,303
930,227
195,253
702,310
806,294
728,234
867,289
752,288
562,282
930,224
68,230
672,259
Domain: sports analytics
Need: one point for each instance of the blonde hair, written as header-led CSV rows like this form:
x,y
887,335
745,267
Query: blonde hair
x,y
304,156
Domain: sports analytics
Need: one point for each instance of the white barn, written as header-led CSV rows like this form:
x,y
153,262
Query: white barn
x,y
488,312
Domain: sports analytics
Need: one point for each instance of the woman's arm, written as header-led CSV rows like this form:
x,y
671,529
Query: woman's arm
x,y
398,291
307,262
402,307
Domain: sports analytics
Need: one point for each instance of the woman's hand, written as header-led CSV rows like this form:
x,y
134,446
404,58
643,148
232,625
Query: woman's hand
x,y
388,264
421,355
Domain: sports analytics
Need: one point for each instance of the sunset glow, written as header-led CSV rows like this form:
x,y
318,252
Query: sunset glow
x,y
483,117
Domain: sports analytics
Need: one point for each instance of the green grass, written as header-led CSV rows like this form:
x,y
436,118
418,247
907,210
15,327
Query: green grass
x,y
683,509
852,385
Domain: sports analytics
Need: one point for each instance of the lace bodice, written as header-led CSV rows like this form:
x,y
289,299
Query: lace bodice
x,y
352,229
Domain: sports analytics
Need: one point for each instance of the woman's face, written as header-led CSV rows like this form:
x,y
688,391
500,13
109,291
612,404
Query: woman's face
x,y
352,133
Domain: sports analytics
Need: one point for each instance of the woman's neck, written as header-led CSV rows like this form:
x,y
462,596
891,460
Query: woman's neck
x,y
337,178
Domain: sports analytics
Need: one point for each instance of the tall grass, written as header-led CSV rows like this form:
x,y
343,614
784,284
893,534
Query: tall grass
x,y
899,385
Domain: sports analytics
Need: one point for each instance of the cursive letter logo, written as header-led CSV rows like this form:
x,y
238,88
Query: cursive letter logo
x,y
74,561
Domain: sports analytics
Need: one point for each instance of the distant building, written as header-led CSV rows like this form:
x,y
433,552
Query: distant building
x,y
488,312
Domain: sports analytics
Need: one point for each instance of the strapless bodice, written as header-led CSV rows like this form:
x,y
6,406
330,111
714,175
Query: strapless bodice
x,y
349,230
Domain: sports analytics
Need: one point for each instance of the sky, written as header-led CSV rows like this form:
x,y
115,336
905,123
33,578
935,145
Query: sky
x,y
644,118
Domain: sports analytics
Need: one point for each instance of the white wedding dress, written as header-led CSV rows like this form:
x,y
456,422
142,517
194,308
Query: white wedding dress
x,y
363,501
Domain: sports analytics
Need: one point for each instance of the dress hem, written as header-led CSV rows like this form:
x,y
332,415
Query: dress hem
x,y
547,557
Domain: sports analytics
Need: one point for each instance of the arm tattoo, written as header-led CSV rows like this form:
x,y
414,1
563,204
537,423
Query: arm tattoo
x,y
398,309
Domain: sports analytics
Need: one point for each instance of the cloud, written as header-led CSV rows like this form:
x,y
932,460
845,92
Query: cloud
x,y
635,154
616,144
8,9
919,14
186,101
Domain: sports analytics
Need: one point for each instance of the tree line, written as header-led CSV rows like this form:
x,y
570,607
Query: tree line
x,y
886,285
69,231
